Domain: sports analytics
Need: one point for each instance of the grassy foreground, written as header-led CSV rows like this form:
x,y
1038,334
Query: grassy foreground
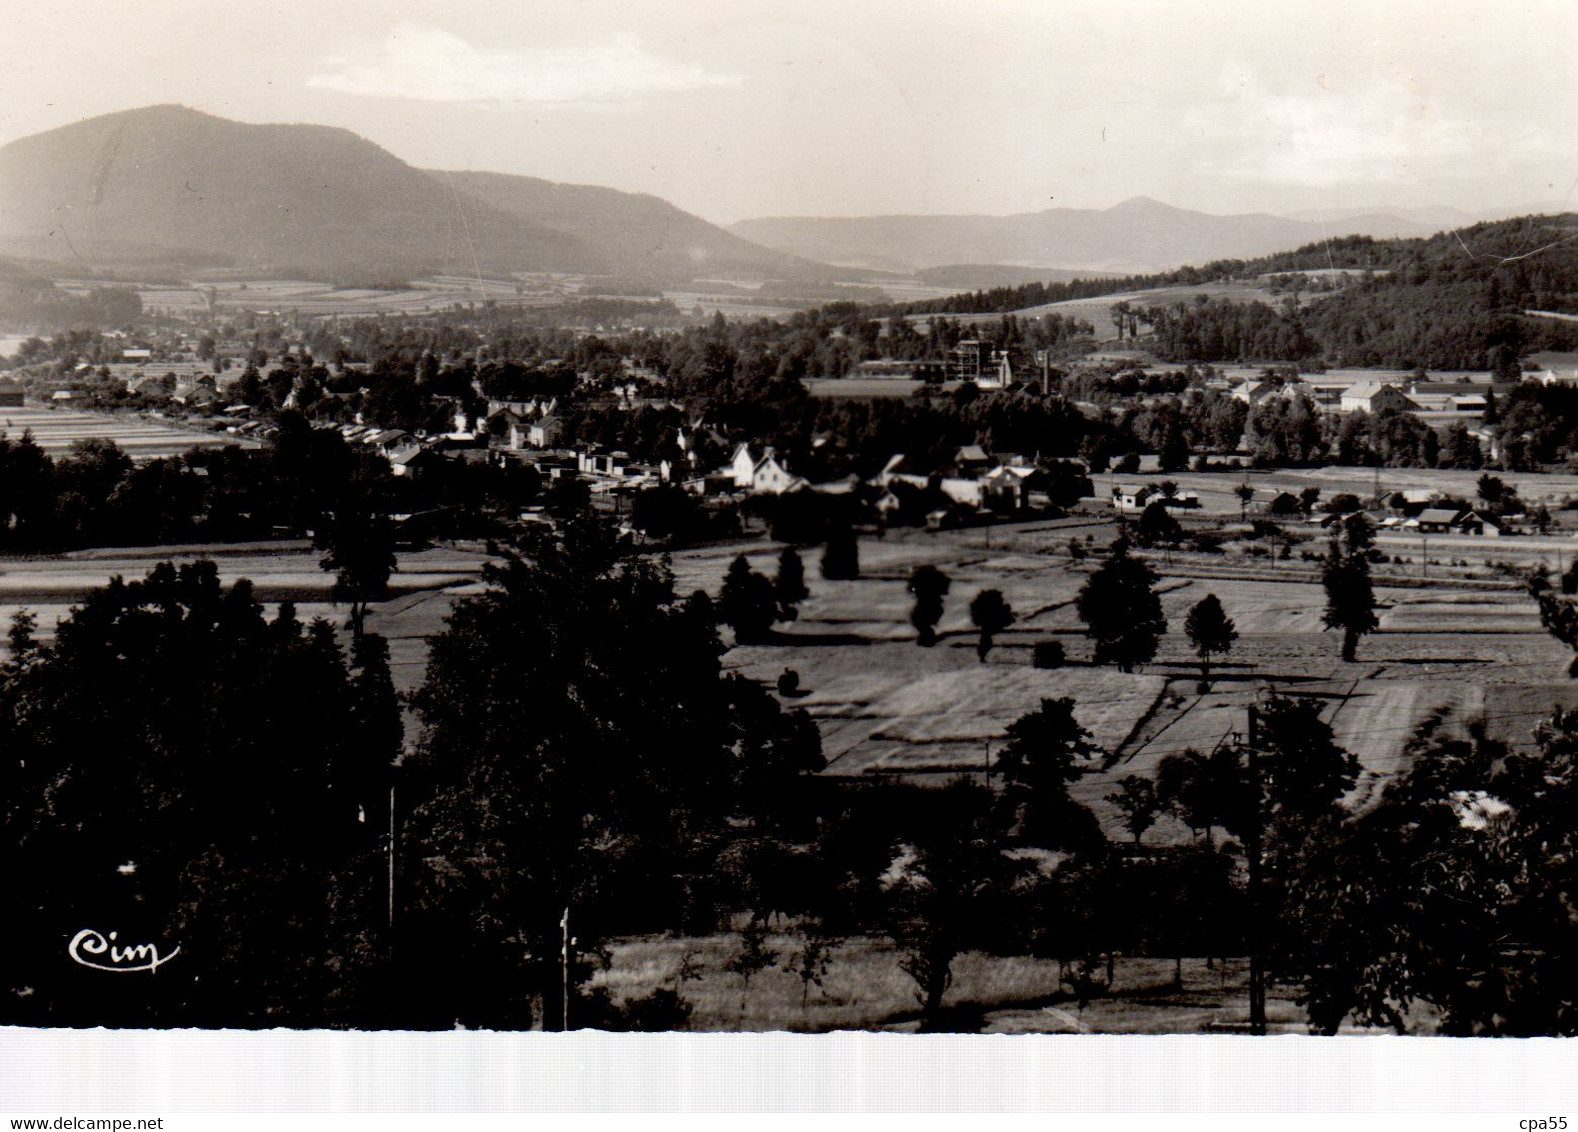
x,y
864,989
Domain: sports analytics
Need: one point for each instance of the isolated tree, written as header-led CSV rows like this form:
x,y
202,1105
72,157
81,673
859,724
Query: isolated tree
x,y
991,615
789,584
950,867
1308,497
360,540
753,956
929,586
1350,596
1205,792
1210,630
1137,801
1157,526
1046,752
1245,494
813,959
1119,604
747,603
841,555
1489,488
1306,772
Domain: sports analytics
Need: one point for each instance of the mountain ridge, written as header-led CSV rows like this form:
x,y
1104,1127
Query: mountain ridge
x,y
1136,236
169,184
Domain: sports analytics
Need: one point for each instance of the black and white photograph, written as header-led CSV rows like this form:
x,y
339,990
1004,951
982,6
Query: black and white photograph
x,y
790,517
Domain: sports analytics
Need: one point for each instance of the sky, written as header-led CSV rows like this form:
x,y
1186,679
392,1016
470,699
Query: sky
x,y
742,108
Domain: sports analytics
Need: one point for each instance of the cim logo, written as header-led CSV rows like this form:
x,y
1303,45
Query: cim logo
x,y
93,949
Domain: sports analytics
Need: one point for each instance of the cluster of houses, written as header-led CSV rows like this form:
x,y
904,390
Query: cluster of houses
x,y
1415,510
971,483
1462,398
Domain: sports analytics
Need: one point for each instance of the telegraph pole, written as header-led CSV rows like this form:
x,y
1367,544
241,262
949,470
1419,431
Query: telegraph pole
x,y
1252,850
391,859
564,972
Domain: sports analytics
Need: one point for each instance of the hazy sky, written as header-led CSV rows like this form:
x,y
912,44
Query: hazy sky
x,y
737,108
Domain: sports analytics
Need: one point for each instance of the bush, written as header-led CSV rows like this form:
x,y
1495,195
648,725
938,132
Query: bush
x,y
662,1011
1047,654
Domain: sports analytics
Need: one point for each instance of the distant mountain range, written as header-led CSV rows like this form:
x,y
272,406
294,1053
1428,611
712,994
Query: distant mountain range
x,y
166,190
173,187
1138,236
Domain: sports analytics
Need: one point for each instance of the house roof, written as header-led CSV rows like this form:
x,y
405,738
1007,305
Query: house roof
x,y
1368,390
972,453
1439,515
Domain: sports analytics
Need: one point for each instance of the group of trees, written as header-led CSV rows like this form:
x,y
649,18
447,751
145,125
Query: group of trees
x,y
184,770
182,767
750,603
94,495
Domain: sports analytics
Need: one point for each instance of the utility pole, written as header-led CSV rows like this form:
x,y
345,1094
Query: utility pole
x,y
1252,850
391,861
564,972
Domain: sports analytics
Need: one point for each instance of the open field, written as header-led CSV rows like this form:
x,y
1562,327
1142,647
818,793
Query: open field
x,y
868,386
1094,310
140,437
864,989
1464,642
1471,646
422,589
1216,488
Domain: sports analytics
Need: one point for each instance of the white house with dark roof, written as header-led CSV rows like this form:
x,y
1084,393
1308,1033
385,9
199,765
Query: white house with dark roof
x,y
1133,497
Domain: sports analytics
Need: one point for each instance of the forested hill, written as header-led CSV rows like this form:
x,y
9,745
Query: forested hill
x,y
1455,300
31,303
1350,252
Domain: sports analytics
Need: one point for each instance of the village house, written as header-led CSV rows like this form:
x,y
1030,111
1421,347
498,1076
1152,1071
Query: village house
x,y
545,432
767,475
1133,497
971,460
413,461
1254,392
1435,520
1375,397
1271,501
771,477
1481,525
1010,484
